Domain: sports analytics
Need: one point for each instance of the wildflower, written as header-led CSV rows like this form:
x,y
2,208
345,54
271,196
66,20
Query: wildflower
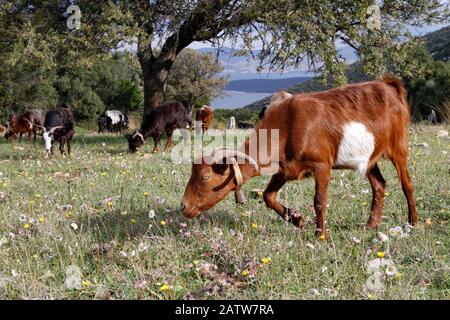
x,y
41,219
133,221
74,226
380,254
333,293
428,221
315,292
163,222
365,204
164,287
86,283
245,273
110,204
310,246
151,214
27,226
324,269
391,271
398,275
382,237
322,237
397,232
254,225
142,247
386,194
68,214
146,194
266,260
355,240
22,218
37,195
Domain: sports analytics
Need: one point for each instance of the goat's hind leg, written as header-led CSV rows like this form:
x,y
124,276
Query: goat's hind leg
x,y
400,164
270,198
378,189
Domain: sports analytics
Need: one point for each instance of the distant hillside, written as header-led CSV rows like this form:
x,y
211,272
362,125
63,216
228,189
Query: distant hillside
x,y
264,85
437,43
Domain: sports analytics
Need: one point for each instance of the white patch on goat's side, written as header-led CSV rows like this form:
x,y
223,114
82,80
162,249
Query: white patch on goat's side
x,y
356,147
47,140
114,115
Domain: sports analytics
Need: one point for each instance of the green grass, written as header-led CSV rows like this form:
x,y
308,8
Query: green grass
x,y
122,253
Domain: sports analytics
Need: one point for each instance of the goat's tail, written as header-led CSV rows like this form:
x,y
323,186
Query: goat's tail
x,y
398,85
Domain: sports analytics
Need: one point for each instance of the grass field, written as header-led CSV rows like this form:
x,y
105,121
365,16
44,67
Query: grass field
x,y
105,224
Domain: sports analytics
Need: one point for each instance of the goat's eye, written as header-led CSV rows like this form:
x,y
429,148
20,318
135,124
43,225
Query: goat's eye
x,y
206,177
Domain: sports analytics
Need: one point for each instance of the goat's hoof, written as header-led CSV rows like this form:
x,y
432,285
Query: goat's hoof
x,y
321,235
295,217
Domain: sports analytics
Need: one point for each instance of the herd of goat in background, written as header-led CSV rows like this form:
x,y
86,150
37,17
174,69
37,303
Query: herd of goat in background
x,y
59,125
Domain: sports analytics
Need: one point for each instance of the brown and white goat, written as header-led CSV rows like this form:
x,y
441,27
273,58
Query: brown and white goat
x,y
26,123
204,117
350,127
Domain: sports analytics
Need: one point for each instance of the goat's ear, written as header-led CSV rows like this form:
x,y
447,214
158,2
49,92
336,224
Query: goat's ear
x,y
222,167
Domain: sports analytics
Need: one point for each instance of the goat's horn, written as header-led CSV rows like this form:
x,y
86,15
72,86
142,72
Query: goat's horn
x,y
221,153
140,135
52,130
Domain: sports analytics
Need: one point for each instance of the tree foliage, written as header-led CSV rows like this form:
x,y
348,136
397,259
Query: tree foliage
x,y
194,79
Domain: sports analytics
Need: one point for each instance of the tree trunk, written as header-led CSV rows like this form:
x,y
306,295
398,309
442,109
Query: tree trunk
x,y
155,72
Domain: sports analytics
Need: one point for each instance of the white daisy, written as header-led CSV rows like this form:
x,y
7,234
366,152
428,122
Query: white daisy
x,y
151,214
74,226
391,270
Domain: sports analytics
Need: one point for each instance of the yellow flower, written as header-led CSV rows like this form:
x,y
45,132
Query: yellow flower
x,y
245,273
41,219
27,226
37,195
266,260
322,237
254,225
380,254
365,204
386,193
133,221
86,283
146,194
195,262
399,275
110,204
164,287
68,214
163,223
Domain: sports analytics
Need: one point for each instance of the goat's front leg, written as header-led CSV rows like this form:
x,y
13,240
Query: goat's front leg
x,y
270,198
61,145
322,177
169,141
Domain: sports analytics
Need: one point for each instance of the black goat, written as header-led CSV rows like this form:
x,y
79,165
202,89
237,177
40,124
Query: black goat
x,y
163,119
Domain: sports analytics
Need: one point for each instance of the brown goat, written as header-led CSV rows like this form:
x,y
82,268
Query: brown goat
x,y
26,123
205,116
350,127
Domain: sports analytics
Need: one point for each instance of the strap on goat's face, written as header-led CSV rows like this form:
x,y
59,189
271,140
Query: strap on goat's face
x,y
232,157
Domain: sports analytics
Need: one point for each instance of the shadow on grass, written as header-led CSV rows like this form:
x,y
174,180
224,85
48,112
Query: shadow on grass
x,y
114,225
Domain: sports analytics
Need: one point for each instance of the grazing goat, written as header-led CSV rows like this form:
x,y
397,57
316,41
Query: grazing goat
x,y
162,119
204,116
112,121
25,123
231,124
432,117
59,125
350,127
